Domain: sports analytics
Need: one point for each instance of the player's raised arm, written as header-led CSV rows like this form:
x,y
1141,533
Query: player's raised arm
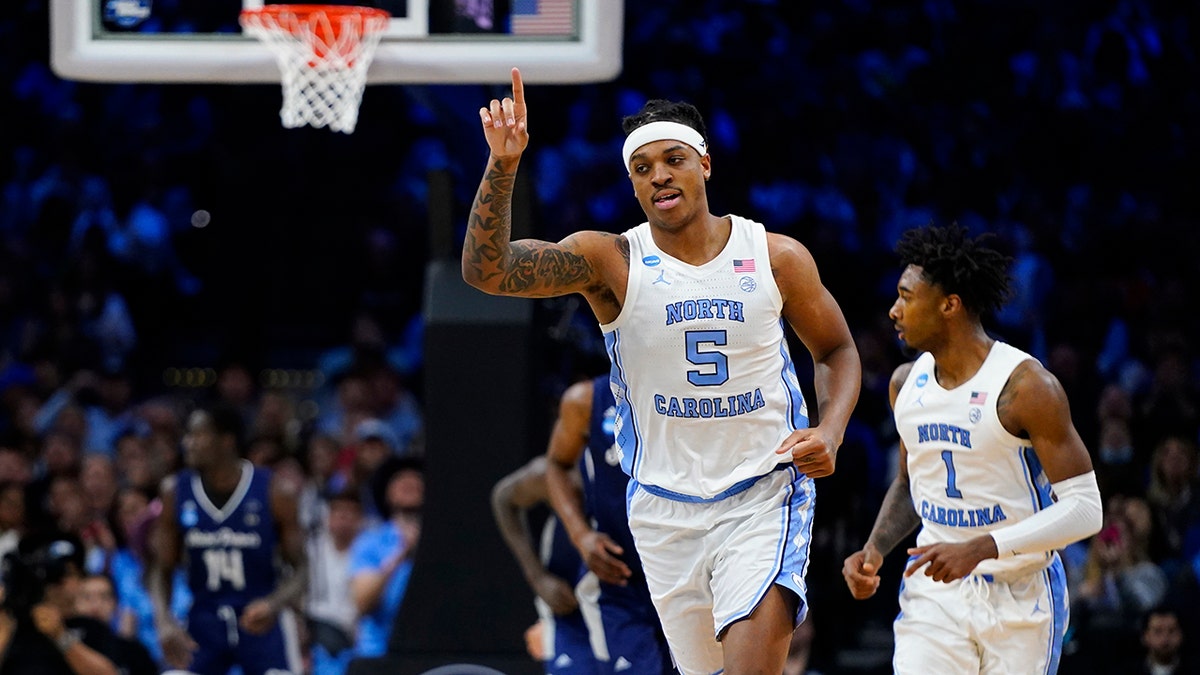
x,y
492,262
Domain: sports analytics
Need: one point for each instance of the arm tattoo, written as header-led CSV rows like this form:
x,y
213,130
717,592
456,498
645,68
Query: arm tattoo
x,y
1007,401
536,265
896,519
527,268
623,249
490,225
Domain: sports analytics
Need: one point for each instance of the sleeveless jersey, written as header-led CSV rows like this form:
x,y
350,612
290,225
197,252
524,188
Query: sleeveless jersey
x,y
704,383
230,550
967,474
605,486
558,554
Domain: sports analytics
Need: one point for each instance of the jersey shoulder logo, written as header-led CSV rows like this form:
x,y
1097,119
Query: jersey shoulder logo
x,y
188,514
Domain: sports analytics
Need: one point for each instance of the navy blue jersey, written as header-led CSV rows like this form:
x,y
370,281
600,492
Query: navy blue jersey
x,y
605,483
559,555
230,551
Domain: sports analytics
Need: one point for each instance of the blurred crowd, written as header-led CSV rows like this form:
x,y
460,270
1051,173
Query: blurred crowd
x,y
166,244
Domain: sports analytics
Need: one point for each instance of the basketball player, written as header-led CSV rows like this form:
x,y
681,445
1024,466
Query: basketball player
x,y
986,444
555,573
710,421
229,521
583,437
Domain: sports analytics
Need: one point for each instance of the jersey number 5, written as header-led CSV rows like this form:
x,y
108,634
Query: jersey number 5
x,y
718,361
225,565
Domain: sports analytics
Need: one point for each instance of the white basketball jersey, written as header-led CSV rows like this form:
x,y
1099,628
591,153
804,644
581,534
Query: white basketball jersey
x,y
968,475
701,371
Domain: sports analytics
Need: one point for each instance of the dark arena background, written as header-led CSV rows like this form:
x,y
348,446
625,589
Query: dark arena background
x,y
164,241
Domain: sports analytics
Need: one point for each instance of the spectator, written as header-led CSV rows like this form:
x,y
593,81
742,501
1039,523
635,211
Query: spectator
x,y
96,599
1162,645
12,515
376,443
1174,498
381,558
329,607
48,637
1119,584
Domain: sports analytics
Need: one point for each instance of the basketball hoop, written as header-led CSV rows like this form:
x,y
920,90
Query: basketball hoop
x,y
323,52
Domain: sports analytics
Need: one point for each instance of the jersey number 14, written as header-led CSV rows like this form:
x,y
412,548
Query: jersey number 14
x,y
225,565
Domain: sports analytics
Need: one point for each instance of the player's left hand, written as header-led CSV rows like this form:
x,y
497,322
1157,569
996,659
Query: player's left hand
x,y
947,562
258,617
812,451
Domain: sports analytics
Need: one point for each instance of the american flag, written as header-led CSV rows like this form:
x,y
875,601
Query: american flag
x,y
743,265
543,17
978,397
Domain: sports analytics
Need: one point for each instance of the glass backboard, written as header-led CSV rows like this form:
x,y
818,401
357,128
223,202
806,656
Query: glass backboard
x,y
427,41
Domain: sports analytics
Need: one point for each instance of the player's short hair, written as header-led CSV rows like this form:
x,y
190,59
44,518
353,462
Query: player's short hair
x,y
226,420
959,265
662,110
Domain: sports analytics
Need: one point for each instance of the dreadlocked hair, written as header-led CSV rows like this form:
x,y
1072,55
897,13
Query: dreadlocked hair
x,y
959,264
662,110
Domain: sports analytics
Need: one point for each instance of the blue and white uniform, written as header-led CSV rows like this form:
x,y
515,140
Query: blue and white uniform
x,y
705,392
230,553
569,641
968,476
632,632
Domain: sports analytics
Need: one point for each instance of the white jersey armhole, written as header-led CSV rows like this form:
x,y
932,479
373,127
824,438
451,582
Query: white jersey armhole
x,y
636,254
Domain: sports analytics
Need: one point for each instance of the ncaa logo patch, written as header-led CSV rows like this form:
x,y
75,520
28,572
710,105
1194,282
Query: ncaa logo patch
x,y
747,284
188,515
922,379
975,415
651,260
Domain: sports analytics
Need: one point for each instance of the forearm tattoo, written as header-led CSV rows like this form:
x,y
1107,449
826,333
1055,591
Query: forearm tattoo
x,y
528,267
490,225
897,518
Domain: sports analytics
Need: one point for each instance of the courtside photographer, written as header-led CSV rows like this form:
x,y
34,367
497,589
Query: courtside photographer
x,y
39,631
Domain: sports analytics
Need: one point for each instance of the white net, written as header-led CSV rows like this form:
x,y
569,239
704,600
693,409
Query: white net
x,y
324,53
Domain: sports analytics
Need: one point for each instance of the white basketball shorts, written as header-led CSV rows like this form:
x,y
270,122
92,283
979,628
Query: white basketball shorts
x,y
709,564
982,624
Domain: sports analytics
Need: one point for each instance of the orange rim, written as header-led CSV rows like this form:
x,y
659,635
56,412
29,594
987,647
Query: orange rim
x,y
368,15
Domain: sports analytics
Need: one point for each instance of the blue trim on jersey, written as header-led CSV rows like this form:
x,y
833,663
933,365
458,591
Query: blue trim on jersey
x,y
736,488
900,592
1034,467
1056,581
796,417
629,439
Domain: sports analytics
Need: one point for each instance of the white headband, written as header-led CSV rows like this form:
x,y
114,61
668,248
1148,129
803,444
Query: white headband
x,y
661,131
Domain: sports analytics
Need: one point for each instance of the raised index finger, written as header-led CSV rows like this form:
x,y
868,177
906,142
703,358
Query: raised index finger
x,y
518,87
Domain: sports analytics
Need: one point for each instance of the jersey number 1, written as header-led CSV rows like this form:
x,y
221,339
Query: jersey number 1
x,y
225,565
951,488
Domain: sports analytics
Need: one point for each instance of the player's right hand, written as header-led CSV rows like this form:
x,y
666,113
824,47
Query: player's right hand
x,y
556,593
177,645
602,556
505,123
861,571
